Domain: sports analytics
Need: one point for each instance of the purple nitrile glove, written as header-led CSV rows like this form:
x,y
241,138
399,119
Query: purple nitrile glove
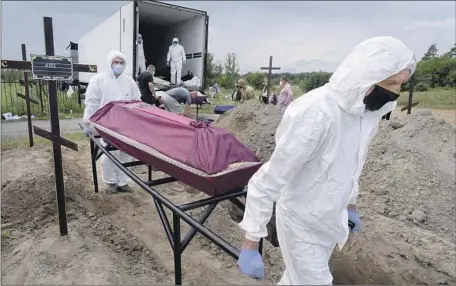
x,y
251,263
354,217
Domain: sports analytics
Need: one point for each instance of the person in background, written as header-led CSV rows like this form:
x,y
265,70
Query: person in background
x,y
146,85
313,174
285,95
111,85
247,91
273,99
141,58
172,99
175,59
264,94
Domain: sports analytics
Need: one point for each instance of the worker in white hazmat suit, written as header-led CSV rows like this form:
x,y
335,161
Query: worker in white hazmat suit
x,y
141,59
112,85
175,59
313,173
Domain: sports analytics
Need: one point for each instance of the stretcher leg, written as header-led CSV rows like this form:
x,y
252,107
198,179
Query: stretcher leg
x,y
177,250
93,151
174,236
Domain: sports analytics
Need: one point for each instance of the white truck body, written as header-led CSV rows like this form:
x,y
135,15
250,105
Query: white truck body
x,y
158,23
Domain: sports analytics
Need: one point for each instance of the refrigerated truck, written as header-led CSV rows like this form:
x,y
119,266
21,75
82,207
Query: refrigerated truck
x,y
158,23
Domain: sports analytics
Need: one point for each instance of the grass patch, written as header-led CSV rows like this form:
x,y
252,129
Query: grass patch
x,y
61,116
10,102
434,98
23,141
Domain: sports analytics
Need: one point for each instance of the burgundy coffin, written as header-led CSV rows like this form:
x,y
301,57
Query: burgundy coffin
x,y
207,158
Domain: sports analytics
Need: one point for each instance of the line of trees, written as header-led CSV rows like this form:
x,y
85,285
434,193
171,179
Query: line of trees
x,y
438,69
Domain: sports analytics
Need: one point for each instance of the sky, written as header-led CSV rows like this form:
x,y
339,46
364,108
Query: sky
x,y
302,36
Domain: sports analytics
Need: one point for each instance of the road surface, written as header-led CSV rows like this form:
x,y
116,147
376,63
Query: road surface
x,y
18,128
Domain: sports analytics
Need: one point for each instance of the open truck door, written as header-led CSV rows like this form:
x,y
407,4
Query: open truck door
x,y
128,41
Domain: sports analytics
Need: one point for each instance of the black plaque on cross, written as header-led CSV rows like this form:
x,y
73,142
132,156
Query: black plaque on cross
x,y
270,69
51,68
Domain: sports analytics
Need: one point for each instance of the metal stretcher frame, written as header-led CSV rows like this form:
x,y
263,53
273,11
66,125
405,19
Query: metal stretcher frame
x,y
174,234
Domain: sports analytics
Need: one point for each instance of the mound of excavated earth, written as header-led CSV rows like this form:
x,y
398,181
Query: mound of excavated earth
x,y
406,200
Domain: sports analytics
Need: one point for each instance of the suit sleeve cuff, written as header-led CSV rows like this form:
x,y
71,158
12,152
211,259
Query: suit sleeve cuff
x,y
251,237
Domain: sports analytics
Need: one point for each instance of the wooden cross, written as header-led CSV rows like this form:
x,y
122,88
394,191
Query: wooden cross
x,y
51,68
27,98
410,99
270,68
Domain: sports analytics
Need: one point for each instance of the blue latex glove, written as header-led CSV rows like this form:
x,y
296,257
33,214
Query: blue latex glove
x,y
354,217
251,263
87,131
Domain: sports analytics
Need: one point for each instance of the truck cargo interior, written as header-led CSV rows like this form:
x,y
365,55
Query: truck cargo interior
x,y
158,25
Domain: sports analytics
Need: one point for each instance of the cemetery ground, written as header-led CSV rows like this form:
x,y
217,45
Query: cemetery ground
x,y
118,239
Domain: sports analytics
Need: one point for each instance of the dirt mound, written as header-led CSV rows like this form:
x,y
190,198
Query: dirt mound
x,y
113,239
94,252
406,201
28,195
407,204
254,124
409,173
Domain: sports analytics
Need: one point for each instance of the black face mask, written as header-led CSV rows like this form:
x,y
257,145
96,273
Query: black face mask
x,y
379,97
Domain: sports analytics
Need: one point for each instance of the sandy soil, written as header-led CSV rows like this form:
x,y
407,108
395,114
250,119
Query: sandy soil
x,y
113,239
449,115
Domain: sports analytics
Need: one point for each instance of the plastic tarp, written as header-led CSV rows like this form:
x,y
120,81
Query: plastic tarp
x,y
221,109
207,158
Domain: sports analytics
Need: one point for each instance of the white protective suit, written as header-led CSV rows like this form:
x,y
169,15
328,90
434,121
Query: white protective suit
x,y
141,59
176,57
102,89
321,145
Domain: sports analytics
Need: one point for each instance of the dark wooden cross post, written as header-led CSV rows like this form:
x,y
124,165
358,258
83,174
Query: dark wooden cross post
x,y
55,130
410,98
27,98
270,68
53,68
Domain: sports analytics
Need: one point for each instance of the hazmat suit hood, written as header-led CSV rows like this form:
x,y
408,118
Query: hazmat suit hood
x,y
111,56
369,63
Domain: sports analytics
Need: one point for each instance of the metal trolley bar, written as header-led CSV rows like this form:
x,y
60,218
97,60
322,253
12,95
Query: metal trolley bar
x,y
174,234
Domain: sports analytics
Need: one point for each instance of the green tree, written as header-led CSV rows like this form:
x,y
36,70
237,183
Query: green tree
x,y
255,79
213,70
231,74
452,53
314,80
226,81
440,70
452,77
431,53
232,65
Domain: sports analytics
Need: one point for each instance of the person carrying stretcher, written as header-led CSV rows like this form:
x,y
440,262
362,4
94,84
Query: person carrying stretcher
x,y
111,85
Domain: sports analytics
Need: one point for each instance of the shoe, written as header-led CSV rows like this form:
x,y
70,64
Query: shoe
x,y
124,189
110,188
